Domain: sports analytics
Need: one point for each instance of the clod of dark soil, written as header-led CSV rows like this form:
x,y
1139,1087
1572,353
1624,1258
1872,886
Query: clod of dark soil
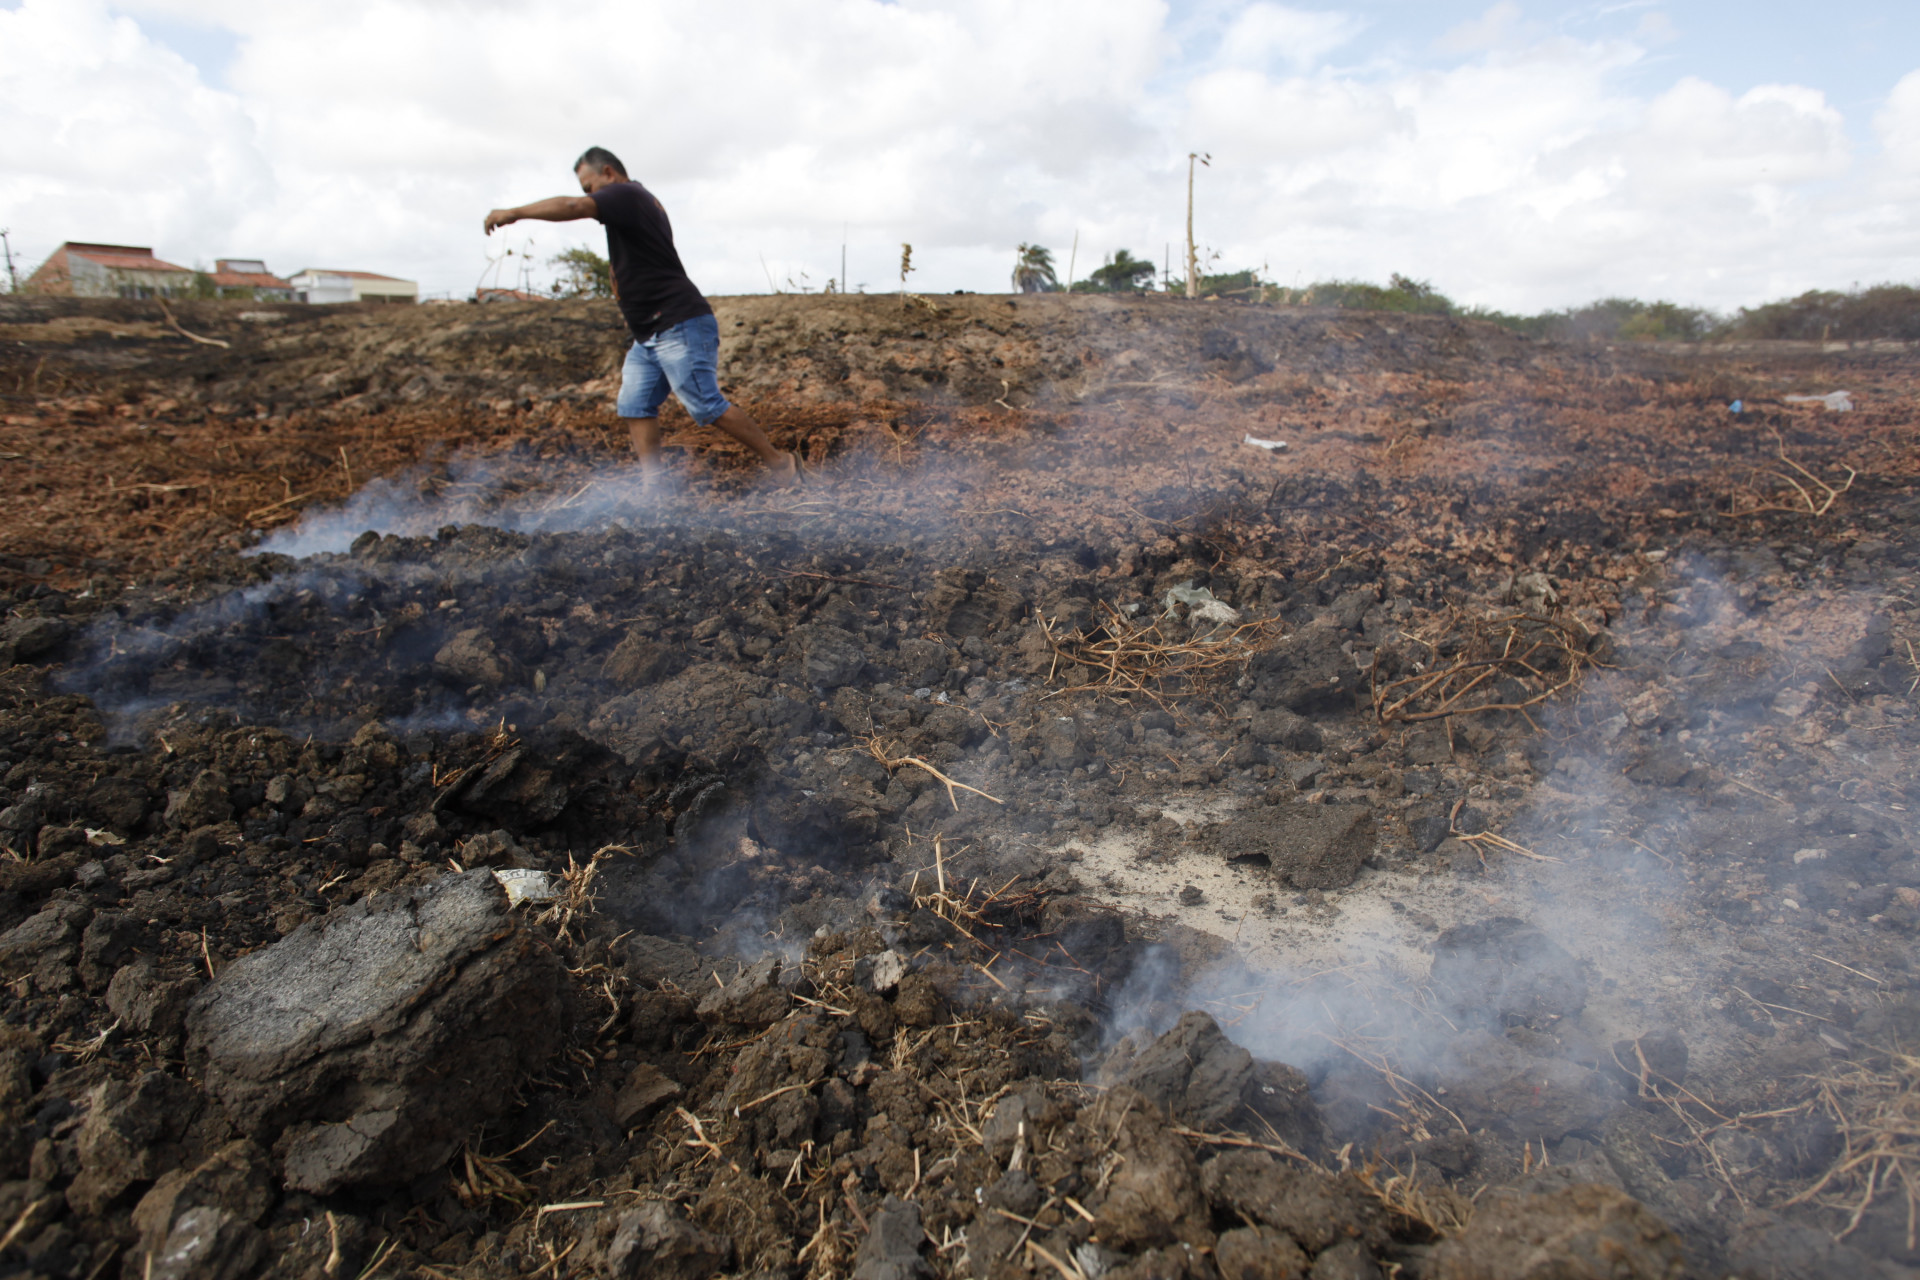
x,y
1592,1232
1308,846
1509,969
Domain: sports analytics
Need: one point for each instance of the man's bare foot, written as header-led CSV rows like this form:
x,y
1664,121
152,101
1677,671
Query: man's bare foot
x,y
786,470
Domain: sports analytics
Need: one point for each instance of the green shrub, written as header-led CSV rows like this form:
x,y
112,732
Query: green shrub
x,y
1882,311
1401,293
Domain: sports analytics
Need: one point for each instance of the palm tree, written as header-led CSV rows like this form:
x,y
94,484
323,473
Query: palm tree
x,y
1033,270
1123,274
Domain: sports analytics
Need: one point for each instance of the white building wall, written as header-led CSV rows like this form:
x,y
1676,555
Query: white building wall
x,y
384,290
322,287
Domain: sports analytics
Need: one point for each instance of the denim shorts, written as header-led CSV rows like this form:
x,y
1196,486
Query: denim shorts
x,y
685,360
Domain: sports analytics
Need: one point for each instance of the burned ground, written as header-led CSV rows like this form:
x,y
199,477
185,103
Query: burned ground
x,y
1061,838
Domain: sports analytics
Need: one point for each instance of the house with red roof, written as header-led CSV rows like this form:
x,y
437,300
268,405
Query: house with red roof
x,y
249,278
83,270
317,284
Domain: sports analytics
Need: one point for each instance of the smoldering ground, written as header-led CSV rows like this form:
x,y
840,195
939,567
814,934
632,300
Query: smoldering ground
x,y
749,707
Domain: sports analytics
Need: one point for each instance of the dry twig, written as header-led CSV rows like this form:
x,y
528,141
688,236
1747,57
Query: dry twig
x,y
1140,655
191,337
1815,502
1511,662
1878,1115
891,763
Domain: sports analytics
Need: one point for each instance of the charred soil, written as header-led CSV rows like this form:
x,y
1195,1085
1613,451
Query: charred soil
x,y
1063,837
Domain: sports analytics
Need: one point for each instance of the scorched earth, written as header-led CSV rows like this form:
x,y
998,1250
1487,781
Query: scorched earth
x,y
1065,837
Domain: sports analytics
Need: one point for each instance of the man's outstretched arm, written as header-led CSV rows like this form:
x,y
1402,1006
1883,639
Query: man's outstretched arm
x,y
555,209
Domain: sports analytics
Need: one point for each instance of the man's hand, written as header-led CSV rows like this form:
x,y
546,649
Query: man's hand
x,y
553,209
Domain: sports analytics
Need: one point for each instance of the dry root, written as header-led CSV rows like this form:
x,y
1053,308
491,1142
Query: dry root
x,y
891,762
1145,655
1505,663
577,897
1432,1207
1878,1114
1813,498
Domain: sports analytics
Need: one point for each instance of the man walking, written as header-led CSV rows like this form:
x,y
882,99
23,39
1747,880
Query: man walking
x,y
676,341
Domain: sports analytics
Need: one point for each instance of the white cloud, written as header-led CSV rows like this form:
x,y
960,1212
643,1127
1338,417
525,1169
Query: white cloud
x,y
1498,26
1515,168
113,138
1262,35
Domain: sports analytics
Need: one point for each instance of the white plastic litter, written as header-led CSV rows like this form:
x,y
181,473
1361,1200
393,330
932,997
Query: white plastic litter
x,y
1838,401
1203,609
526,886
97,837
1271,446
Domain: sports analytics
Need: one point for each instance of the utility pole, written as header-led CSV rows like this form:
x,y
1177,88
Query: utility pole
x,y
1072,256
1193,256
843,258
13,276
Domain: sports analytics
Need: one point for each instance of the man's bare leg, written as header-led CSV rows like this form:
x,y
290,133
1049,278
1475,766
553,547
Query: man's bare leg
x,y
736,422
739,424
646,447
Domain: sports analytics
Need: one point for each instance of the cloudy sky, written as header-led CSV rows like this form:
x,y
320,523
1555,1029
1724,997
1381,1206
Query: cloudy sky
x,y
1523,155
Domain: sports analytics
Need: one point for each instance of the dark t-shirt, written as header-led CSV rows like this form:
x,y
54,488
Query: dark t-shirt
x,y
648,280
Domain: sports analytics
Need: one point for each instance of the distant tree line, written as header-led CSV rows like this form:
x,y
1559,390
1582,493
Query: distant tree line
x,y
1879,311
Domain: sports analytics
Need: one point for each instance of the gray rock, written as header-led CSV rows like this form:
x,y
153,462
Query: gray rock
x,y
108,935
891,1250
1004,1126
1428,824
376,1036
525,787
203,802
646,1088
656,1241
852,709
1282,1096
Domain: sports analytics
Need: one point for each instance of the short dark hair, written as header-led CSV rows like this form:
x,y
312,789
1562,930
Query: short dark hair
x,y
601,158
